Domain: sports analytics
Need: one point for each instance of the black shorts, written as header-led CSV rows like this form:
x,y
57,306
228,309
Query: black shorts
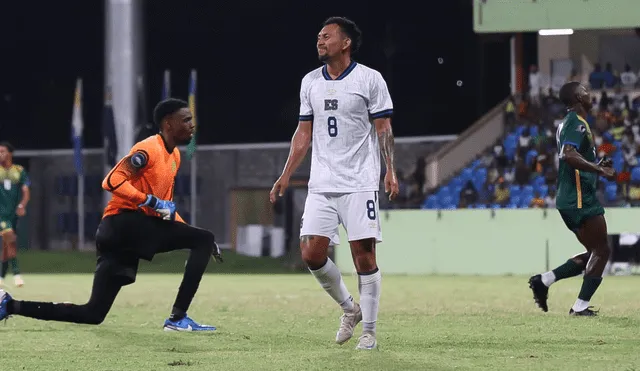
x,y
123,239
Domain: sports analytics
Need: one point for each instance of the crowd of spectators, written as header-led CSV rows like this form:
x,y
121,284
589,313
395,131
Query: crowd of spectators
x,y
520,169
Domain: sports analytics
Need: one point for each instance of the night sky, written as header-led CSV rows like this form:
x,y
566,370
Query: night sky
x,y
250,57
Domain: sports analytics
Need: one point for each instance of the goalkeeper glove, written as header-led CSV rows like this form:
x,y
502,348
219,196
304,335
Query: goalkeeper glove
x,y
216,253
166,209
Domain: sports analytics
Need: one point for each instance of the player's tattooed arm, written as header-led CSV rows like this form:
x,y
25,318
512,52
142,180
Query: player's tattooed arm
x,y
387,142
573,158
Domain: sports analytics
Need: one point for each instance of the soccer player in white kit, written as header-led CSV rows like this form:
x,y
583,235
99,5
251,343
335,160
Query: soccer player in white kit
x,y
345,108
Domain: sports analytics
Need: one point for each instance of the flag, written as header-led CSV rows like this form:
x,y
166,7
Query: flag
x,y
109,129
76,128
191,148
166,85
144,128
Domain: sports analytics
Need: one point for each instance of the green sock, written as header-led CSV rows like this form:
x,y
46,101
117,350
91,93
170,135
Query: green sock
x,y
589,287
568,269
14,266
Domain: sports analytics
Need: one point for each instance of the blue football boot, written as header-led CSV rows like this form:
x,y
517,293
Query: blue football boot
x,y
185,324
5,298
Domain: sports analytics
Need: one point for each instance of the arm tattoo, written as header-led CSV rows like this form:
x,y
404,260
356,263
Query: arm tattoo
x,y
387,147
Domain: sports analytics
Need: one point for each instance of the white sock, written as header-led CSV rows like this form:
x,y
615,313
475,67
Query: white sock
x,y
548,278
330,279
580,305
369,286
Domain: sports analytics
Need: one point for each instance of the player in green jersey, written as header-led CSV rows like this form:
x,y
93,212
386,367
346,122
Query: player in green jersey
x,y
14,195
576,201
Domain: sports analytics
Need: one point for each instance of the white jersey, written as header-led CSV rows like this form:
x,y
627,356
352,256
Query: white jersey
x,y
345,155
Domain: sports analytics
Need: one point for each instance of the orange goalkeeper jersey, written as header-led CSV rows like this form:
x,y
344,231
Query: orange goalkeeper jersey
x,y
149,168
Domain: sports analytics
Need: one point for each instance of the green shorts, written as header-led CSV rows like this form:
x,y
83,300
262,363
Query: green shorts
x,y
574,218
7,223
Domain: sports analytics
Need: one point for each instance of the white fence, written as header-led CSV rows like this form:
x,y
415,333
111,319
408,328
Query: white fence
x,y
52,220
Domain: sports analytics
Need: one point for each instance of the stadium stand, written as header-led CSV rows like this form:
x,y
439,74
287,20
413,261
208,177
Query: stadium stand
x,y
519,170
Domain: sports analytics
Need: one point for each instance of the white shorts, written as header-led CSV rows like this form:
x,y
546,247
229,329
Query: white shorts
x,y
357,212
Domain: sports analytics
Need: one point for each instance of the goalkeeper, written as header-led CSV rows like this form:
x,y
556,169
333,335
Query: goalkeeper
x,y
139,222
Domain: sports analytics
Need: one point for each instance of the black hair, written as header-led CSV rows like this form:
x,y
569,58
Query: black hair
x,y
349,28
9,146
568,93
167,107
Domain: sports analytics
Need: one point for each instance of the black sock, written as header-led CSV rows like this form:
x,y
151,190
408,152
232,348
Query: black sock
x,y
177,314
569,269
194,270
589,287
4,269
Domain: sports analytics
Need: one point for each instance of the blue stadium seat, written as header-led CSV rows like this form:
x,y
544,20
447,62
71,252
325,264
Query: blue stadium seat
x,y
511,206
455,195
514,191
527,191
475,164
466,174
446,201
542,191
618,163
455,182
520,130
471,206
479,178
510,145
496,206
533,130
514,200
538,181
431,202
450,207
635,174
444,191
481,206
525,201
610,192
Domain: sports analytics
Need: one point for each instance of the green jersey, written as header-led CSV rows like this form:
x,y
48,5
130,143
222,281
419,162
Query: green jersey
x,y
576,189
11,182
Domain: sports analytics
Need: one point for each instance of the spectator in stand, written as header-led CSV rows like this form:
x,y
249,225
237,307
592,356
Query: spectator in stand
x,y
610,76
468,194
628,78
501,194
550,199
524,142
522,172
535,85
618,101
510,114
596,78
501,160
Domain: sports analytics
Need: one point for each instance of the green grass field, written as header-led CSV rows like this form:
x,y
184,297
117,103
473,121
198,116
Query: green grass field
x,y
287,322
